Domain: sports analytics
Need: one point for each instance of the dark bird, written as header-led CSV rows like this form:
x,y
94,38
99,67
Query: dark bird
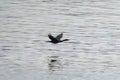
x,y
56,39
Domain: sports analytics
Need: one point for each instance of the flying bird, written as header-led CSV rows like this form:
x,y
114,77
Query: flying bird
x,y
56,39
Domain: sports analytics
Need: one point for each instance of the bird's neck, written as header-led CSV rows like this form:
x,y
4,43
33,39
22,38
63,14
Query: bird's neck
x,y
65,40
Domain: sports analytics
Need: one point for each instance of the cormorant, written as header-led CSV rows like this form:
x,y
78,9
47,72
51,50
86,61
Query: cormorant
x,y
56,39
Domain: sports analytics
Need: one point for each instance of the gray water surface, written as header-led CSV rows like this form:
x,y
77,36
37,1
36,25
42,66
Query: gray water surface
x,y
93,52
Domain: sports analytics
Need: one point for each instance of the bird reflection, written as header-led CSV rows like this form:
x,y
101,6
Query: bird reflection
x,y
54,63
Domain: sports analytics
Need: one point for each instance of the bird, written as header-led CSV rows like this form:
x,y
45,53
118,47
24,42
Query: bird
x,y
56,39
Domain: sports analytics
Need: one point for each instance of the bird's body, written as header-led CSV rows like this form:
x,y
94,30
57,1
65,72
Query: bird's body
x,y
56,39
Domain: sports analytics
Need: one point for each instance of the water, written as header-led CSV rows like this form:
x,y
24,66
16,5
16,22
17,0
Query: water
x,y
92,53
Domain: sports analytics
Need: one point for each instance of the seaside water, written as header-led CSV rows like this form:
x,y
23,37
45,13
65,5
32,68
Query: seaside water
x,y
93,52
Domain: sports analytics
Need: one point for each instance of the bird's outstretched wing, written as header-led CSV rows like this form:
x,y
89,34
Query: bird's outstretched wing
x,y
58,37
51,37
